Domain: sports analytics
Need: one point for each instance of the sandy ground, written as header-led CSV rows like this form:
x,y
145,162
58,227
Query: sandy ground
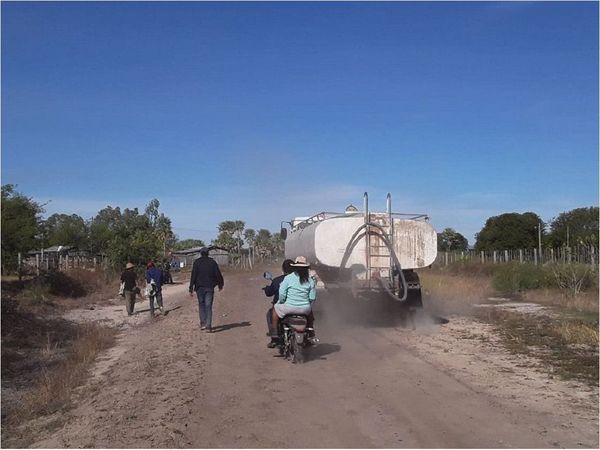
x,y
367,384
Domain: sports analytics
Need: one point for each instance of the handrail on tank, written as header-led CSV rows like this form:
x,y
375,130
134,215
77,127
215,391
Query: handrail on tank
x,y
319,217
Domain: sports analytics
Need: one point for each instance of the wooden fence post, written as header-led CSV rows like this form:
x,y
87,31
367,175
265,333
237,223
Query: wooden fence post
x,y
494,256
446,258
19,266
535,256
521,255
37,264
481,255
592,255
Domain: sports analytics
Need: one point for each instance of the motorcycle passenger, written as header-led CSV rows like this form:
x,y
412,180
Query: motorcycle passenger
x,y
273,291
297,293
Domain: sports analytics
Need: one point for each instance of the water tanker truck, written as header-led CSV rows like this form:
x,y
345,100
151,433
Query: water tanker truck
x,y
370,254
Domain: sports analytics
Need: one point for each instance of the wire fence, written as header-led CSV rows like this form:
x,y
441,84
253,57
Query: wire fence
x,y
562,255
44,262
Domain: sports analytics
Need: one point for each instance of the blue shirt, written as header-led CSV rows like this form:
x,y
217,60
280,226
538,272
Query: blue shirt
x,y
156,274
293,293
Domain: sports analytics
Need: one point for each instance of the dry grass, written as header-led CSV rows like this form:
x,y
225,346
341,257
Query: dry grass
x,y
453,294
577,333
566,342
55,386
568,347
44,357
46,381
585,302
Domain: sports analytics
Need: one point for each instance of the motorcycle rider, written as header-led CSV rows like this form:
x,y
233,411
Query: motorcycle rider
x,y
273,291
297,293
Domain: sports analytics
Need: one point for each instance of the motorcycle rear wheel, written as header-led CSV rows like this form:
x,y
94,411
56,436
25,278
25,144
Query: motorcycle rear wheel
x,y
297,352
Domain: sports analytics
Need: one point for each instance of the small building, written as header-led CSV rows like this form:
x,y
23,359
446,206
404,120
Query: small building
x,y
186,257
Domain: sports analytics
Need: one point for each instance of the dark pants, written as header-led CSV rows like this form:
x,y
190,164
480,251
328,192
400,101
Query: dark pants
x,y
270,321
205,302
310,323
129,301
159,301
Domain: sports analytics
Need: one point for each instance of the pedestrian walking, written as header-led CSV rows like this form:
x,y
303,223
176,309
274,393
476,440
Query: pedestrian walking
x,y
154,278
205,276
129,280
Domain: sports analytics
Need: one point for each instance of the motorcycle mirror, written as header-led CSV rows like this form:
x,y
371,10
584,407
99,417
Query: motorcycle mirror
x,y
268,275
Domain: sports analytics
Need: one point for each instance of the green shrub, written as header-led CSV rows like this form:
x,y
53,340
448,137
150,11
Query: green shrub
x,y
514,277
573,278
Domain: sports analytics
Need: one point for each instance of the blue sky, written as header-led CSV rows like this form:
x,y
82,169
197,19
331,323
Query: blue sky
x,y
265,111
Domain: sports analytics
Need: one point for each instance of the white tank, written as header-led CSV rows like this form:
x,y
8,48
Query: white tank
x,y
325,242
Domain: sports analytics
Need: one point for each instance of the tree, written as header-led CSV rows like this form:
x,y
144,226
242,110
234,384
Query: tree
x,y
131,236
510,231
20,225
277,244
230,235
152,211
581,224
449,240
263,242
63,229
102,228
188,243
250,237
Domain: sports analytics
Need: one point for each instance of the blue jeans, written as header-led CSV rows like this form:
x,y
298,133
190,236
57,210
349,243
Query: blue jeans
x,y
159,301
205,302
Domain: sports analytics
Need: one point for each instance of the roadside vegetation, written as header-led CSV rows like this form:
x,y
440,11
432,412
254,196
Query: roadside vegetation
x,y
563,332
44,357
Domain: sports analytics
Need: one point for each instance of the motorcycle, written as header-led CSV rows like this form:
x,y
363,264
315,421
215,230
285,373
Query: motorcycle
x,y
294,334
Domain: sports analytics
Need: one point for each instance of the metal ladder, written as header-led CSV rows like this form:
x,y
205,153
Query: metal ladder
x,y
379,261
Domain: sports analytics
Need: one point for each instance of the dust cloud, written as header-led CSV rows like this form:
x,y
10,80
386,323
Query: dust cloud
x,y
339,310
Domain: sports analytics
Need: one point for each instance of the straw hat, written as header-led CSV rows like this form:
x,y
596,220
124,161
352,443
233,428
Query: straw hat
x,y
129,266
300,262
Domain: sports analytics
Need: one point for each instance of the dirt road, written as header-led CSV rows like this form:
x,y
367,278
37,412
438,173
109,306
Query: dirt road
x,y
367,384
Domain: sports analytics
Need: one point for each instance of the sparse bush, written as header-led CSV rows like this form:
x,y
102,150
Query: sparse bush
x,y
574,278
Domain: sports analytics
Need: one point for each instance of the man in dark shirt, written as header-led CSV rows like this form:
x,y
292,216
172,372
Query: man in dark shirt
x,y
205,276
272,290
129,278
